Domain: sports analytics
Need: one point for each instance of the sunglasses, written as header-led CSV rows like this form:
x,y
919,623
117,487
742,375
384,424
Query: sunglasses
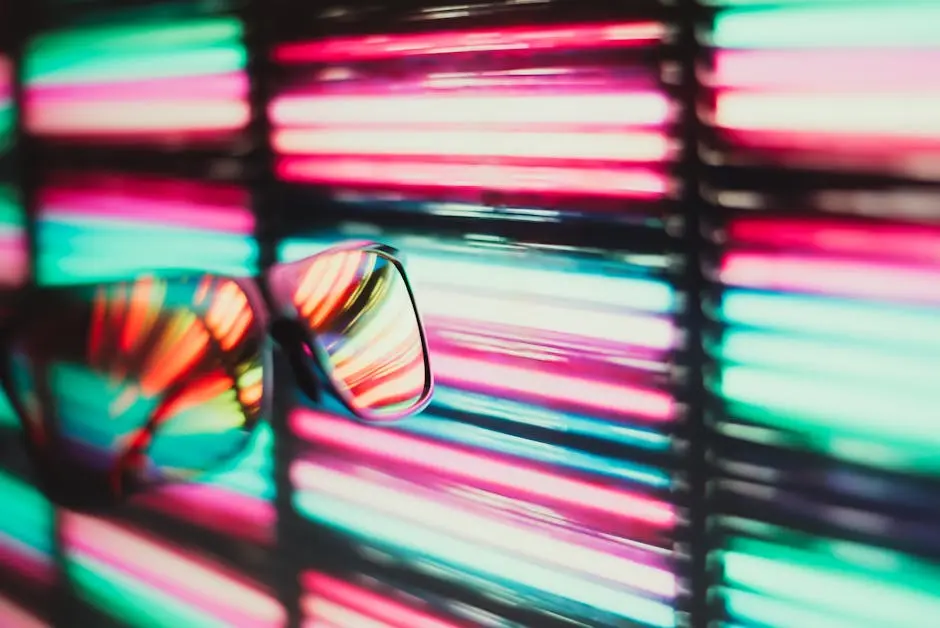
x,y
120,386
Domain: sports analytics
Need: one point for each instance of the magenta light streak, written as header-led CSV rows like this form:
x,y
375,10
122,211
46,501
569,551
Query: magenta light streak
x,y
860,146
832,276
13,260
828,70
218,87
611,182
193,581
26,562
507,39
913,243
84,205
6,79
479,469
445,324
136,186
319,585
581,551
488,376
225,512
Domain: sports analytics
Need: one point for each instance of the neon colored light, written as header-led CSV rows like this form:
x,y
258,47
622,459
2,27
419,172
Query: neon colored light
x,y
431,546
499,379
912,243
7,113
185,79
467,268
508,304
443,308
535,179
111,227
565,145
441,429
156,35
17,617
912,115
571,552
826,70
538,128
141,118
832,276
513,411
130,200
830,25
198,589
130,66
842,319
834,586
212,88
481,469
26,532
507,39
905,367
225,512
336,602
596,109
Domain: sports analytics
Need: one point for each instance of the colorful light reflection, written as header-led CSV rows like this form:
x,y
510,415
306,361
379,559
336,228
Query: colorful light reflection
x,y
14,258
831,85
95,227
542,126
143,582
329,601
830,339
166,82
552,527
7,113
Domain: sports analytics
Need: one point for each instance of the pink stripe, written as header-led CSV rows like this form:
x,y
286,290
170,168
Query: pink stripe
x,y
227,512
13,261
608,182
915,243
589,36
26,562
829,70
833,276
221,86
480,469
571,389
364,602
13,616
6,79
194,581
166,212
96,184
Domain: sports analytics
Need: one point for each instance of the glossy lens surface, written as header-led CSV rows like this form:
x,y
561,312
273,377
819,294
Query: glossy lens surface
x,y
366,329
156,378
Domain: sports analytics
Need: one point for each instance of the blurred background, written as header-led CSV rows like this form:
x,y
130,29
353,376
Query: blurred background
x,y
679,264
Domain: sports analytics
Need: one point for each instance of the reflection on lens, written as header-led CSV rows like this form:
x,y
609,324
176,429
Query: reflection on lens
x,y
159,377
366,327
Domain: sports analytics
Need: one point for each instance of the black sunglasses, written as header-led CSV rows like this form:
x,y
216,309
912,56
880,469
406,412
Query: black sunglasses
x,y
123,385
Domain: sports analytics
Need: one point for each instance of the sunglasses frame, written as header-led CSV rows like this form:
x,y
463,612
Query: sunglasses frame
x,y
268,295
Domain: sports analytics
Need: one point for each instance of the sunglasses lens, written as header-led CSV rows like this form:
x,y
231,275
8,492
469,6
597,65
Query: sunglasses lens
x,y
366,329
160,379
